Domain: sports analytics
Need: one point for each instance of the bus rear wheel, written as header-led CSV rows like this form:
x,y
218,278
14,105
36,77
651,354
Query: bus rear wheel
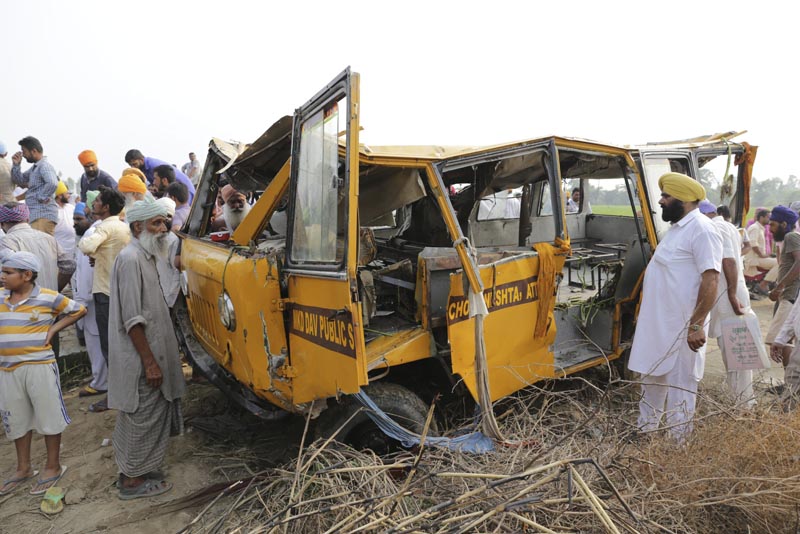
x,y
360,432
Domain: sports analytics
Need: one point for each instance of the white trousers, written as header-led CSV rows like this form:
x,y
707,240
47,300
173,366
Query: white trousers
x,y
752,265
674,395
94,350
740,383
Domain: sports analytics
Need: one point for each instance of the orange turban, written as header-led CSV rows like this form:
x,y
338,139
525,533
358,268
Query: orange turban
x,y
86,157
130,183
228,193
133,171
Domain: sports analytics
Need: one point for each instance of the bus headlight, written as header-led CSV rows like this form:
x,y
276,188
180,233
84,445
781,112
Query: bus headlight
x,y
226,313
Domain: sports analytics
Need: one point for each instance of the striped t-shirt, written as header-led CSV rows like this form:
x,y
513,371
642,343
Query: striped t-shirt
x,y
24,326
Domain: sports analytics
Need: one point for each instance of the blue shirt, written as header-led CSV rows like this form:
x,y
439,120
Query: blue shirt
x,y
41,180
151,163
102,178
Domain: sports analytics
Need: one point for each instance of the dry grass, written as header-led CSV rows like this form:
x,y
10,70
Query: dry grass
x,y
738,473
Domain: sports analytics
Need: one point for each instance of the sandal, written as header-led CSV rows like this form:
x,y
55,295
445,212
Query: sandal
x,y
89,391
47,483
15,482
158,474
99,406
149,488
52,503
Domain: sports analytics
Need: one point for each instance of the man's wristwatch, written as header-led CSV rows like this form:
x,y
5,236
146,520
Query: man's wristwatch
x,y
694,327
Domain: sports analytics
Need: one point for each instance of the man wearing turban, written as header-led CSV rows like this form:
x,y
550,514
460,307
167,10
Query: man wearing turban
x,y
65,232
234,208
103,246
145,377
56,265
168,274
133,171
680,285
132,187
782,222
93,177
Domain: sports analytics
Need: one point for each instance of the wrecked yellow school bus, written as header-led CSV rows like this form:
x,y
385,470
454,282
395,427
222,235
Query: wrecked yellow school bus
x,y
407,272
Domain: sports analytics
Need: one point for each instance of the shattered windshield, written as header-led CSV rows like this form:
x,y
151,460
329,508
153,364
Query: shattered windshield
x,y
318,189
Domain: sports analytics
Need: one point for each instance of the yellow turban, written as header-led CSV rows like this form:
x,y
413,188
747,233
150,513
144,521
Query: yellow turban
x,y
133,171
130,183
86,157
61,188
682,187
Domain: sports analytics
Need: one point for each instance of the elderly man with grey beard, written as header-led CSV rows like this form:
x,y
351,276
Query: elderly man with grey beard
x,y
145,376
235,208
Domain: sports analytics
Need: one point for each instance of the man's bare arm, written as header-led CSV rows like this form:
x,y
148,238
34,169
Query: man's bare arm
x,y
706,295
788,279
731,272
62,323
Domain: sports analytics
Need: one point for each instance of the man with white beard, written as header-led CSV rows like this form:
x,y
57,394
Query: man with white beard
x,y
131,185
235,207
145,377
168,274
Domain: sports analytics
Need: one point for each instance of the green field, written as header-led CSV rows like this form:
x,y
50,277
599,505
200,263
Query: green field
x,y
602,209
625,211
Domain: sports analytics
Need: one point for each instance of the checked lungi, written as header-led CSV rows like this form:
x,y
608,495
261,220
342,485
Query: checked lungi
x,y
140,437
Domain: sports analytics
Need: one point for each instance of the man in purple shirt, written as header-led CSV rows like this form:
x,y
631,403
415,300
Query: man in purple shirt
x,y
148,165
165,175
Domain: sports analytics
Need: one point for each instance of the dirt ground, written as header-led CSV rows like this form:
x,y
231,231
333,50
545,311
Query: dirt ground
x,y
215,449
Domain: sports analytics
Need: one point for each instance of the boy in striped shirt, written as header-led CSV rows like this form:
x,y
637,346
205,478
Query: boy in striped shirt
x,y
30,389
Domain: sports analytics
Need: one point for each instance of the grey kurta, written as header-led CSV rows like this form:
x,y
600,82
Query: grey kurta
x,y
45,247
136,298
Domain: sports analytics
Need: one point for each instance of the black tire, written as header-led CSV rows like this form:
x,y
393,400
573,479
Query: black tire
x,y
401,404
620,369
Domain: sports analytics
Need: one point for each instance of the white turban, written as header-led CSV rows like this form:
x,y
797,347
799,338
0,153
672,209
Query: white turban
x,y
169,204
22,260
144,210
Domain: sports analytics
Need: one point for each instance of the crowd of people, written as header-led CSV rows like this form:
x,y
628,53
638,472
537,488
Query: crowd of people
x,y
696,286
113,243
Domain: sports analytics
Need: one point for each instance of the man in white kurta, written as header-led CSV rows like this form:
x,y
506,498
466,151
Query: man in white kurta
x,y
732,299
783,341
680,285
757,257
82,292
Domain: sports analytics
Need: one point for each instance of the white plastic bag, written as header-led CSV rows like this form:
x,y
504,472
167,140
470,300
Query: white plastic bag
x,y
742,344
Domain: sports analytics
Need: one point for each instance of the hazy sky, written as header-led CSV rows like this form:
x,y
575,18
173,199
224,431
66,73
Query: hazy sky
x,y
166,76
